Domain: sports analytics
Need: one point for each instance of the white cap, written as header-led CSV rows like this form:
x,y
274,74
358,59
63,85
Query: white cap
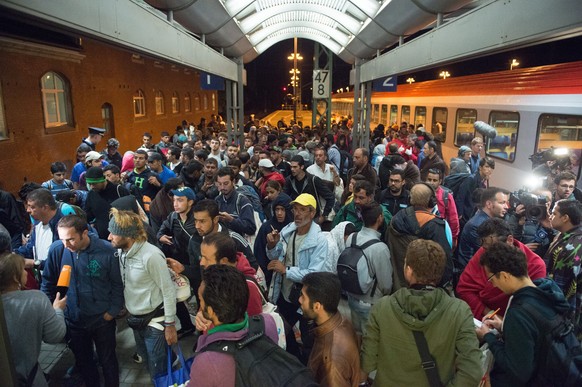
x,y
266,163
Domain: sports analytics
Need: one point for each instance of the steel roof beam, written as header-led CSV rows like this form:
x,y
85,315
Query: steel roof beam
x,y
495,27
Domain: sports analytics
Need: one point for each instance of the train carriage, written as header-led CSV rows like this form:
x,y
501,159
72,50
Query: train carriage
x,y
532,109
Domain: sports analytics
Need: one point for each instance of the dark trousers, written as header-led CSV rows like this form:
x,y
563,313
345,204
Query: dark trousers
x,y
81,343
289,313
184,315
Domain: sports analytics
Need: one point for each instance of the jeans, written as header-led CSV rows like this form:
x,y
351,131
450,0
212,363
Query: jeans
x,y
360,312
81,343
151,345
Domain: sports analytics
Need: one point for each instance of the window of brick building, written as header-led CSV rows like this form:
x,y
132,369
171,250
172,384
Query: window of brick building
x,y
139,104
187,103
3,130
159,103
56,100
175,103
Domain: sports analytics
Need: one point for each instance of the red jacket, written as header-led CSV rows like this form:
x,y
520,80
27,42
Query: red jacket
x,y
479,293
255,305
450,213
271,176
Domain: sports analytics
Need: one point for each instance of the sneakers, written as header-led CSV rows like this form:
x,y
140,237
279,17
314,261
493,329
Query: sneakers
x,y
183,332
137,358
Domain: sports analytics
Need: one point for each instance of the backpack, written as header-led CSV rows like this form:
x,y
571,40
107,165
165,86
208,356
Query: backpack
x,y
261,363
250,193
560,359
347,266
454,181
346,163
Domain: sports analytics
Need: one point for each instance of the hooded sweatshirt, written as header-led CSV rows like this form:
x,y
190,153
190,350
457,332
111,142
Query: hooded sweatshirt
x,y
479,293
335,245
518,355
447,324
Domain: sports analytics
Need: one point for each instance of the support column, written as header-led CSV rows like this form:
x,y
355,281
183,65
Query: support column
x,y
362,108
230,110
239,133
321,107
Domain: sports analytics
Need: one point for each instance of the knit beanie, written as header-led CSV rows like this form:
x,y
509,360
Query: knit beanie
x,y
130,232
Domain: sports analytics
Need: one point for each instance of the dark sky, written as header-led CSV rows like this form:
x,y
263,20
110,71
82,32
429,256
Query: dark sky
x,y
269,73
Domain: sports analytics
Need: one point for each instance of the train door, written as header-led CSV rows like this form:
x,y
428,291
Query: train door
x,y
405,115
107,117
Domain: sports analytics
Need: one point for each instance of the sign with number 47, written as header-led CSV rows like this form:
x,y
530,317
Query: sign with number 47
x,y
321,83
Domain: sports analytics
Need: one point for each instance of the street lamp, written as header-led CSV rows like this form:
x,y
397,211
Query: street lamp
x,y
295,57
444,74
514,63
410,80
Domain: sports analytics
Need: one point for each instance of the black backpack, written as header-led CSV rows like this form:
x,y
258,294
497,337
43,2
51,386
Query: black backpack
x,y
560,359
347,266
346,163
262,363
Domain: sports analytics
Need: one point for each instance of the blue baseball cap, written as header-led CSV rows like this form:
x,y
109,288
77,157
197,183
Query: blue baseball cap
x,y
184,191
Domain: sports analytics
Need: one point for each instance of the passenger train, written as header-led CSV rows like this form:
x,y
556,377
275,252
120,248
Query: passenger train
x,y
532,109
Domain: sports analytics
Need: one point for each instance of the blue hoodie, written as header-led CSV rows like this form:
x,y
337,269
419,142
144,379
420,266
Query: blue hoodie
x,y
95,287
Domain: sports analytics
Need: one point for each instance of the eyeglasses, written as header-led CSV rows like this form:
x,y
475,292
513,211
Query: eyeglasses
x,y
491,277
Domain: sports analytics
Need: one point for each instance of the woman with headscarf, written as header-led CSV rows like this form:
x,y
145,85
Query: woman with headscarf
x,y
282,216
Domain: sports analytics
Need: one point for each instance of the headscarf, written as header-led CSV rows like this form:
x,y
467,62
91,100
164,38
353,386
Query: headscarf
x,y
284,201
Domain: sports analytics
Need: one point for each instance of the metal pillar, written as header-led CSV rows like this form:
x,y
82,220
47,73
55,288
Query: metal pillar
x,y
321,107
239,133
362,107
235,107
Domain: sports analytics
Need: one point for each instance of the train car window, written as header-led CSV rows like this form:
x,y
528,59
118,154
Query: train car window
x,y
393,114
439,120
159,103
561,131
503,145
139,104
196,101
175,103
384,115
405,114
420,115
56,100
464,130
375,113
3,134
187,103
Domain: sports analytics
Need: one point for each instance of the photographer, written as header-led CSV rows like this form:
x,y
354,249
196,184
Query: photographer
x,y
529,220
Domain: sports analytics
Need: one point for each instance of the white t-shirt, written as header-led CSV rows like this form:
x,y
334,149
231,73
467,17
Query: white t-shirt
x,y
43,240
324,175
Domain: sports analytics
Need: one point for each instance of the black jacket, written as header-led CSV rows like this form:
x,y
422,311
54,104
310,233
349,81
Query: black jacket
x,y
312,185
394,203
181,232
98,205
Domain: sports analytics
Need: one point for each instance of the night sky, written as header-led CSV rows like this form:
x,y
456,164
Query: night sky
x,y
269,73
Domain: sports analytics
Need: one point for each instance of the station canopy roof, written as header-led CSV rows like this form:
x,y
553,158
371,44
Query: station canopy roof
x,y
349,28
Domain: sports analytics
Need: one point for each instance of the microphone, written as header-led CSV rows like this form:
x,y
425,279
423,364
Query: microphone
x,y
485,129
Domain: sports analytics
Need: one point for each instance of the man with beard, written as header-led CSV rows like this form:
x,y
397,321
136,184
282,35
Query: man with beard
x,y
206,188
94,298
494,204
363,167
301,182
236,211
294,252
191,173
148,289
216,154
174,235
206,221
280,165
363,196
144,184
395,197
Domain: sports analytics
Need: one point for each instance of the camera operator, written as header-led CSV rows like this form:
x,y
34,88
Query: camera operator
x,y
529,220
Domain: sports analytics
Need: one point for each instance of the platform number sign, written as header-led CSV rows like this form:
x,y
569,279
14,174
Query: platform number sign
x,y
385,84
321,83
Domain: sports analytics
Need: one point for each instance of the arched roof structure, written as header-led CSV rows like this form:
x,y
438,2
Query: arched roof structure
x,y
349,28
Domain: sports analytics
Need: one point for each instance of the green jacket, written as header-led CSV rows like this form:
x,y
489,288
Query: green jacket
x,y
447,324
348,213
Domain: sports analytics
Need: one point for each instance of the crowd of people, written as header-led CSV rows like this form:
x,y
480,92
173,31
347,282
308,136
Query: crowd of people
x,y
293,217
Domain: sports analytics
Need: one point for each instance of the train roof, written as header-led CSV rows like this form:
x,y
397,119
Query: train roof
x,y
564,78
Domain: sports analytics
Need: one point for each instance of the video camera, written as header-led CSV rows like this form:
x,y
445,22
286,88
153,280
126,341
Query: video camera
x,y
560,156
535,206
